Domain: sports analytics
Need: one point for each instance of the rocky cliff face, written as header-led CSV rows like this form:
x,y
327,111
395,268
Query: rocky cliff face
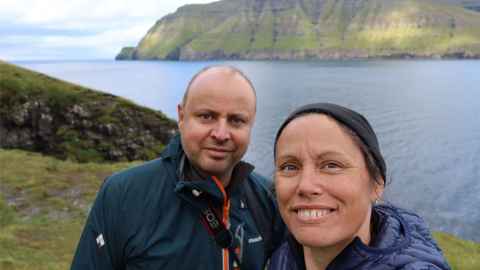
x,y
310,29
42,114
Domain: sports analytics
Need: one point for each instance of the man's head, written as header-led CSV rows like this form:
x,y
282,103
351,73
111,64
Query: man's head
x,y
215,120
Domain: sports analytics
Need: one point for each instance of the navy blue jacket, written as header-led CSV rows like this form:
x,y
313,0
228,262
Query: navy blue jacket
x,y
402,242
148,217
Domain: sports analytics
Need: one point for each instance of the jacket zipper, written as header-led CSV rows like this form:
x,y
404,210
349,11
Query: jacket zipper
x,y
226,213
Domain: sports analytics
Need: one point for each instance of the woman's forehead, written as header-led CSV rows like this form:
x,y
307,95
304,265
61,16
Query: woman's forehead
x,y
315,134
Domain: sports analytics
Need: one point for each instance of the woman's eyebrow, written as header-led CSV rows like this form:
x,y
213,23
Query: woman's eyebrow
x,y
330,154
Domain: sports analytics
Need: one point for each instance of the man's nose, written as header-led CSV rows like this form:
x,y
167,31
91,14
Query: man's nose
x,y
221,131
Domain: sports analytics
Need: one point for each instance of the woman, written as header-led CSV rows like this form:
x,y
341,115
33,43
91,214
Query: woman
x,y
330,176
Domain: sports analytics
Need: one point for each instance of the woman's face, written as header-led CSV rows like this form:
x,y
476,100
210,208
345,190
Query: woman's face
x,y
324,190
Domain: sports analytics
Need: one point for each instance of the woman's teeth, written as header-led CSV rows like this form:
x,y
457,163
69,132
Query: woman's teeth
x,y
309,214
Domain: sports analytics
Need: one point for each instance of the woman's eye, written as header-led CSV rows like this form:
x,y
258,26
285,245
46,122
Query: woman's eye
x,y
331,166
288,168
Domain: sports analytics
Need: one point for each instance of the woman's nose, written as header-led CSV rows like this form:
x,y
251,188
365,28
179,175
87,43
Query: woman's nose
x,y
310,183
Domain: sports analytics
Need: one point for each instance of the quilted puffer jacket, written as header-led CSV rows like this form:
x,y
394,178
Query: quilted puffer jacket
x,y
402,242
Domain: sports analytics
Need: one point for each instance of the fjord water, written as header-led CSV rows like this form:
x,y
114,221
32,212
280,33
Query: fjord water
x,y
426,114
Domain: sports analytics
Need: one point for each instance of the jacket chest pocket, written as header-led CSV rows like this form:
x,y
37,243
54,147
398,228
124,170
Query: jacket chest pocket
x,y
249,244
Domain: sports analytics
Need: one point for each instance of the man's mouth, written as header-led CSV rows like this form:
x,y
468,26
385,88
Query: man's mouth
x,y
219,150
216,152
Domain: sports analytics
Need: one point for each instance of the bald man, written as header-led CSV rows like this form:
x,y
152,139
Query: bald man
x,y
198,205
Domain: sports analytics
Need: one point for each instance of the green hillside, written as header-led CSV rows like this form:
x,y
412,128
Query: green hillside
x,y
44,203
461,254
43,114
312,29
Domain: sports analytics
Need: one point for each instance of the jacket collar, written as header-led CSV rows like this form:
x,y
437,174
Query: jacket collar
x,y
392,234
173,148
190,178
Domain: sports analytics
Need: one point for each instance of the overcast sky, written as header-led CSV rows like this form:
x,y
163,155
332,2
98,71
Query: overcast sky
x,y
77,29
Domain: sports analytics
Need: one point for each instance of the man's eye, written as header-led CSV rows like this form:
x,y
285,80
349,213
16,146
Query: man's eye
x,y
237,121
205,116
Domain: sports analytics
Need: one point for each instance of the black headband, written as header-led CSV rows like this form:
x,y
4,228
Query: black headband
x,y
353,120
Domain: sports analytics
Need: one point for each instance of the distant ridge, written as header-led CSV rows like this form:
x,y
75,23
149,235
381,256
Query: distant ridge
x,y
313,29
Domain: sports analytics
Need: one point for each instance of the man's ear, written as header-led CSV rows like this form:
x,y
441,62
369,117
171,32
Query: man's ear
x,y
180,114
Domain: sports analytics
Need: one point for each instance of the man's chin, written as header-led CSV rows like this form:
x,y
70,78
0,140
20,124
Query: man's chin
x,y
215,167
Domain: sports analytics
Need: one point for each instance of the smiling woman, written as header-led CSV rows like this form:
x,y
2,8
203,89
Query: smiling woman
x,y
330,175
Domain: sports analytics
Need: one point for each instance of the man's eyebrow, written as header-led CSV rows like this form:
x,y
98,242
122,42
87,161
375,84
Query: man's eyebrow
x,y
244,114
204,110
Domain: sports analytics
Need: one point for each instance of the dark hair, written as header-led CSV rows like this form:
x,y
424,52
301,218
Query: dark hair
x,y
232,69
372,167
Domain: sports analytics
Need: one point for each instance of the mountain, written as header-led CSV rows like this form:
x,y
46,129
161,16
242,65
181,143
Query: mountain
x,y
42,114
312,29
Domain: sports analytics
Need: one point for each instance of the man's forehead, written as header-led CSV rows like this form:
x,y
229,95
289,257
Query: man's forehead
x,y
221,84
230,80
219,73
218,101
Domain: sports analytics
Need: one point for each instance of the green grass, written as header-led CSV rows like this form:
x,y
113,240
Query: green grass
x,y
44,203
461,254
43,206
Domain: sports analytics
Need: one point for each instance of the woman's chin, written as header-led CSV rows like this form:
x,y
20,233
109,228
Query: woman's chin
x,y
319,239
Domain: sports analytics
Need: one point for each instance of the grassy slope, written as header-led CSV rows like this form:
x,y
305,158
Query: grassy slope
x,y
19,85
44,202
416,27
176,30
461,254
25,83
43,205
376,26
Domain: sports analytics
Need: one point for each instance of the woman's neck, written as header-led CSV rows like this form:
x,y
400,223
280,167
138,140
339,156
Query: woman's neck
x,y
318,258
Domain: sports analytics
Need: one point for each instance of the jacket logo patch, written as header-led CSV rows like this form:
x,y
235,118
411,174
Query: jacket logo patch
x,y
255,240
100,241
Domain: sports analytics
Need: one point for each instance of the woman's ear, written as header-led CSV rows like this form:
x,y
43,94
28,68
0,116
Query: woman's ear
x,y
378,188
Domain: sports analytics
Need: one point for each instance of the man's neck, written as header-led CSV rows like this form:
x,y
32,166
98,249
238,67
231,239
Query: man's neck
x,y
224,178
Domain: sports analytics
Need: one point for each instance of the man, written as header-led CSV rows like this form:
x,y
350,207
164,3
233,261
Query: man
x,y
189,209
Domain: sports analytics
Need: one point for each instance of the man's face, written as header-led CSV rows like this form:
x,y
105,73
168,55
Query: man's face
x,y
216,120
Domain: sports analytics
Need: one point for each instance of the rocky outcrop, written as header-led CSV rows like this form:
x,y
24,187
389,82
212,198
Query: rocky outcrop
x,y
312,29
126,53
71,122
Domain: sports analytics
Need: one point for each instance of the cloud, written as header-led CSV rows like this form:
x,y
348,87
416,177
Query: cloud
x,y
38,29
